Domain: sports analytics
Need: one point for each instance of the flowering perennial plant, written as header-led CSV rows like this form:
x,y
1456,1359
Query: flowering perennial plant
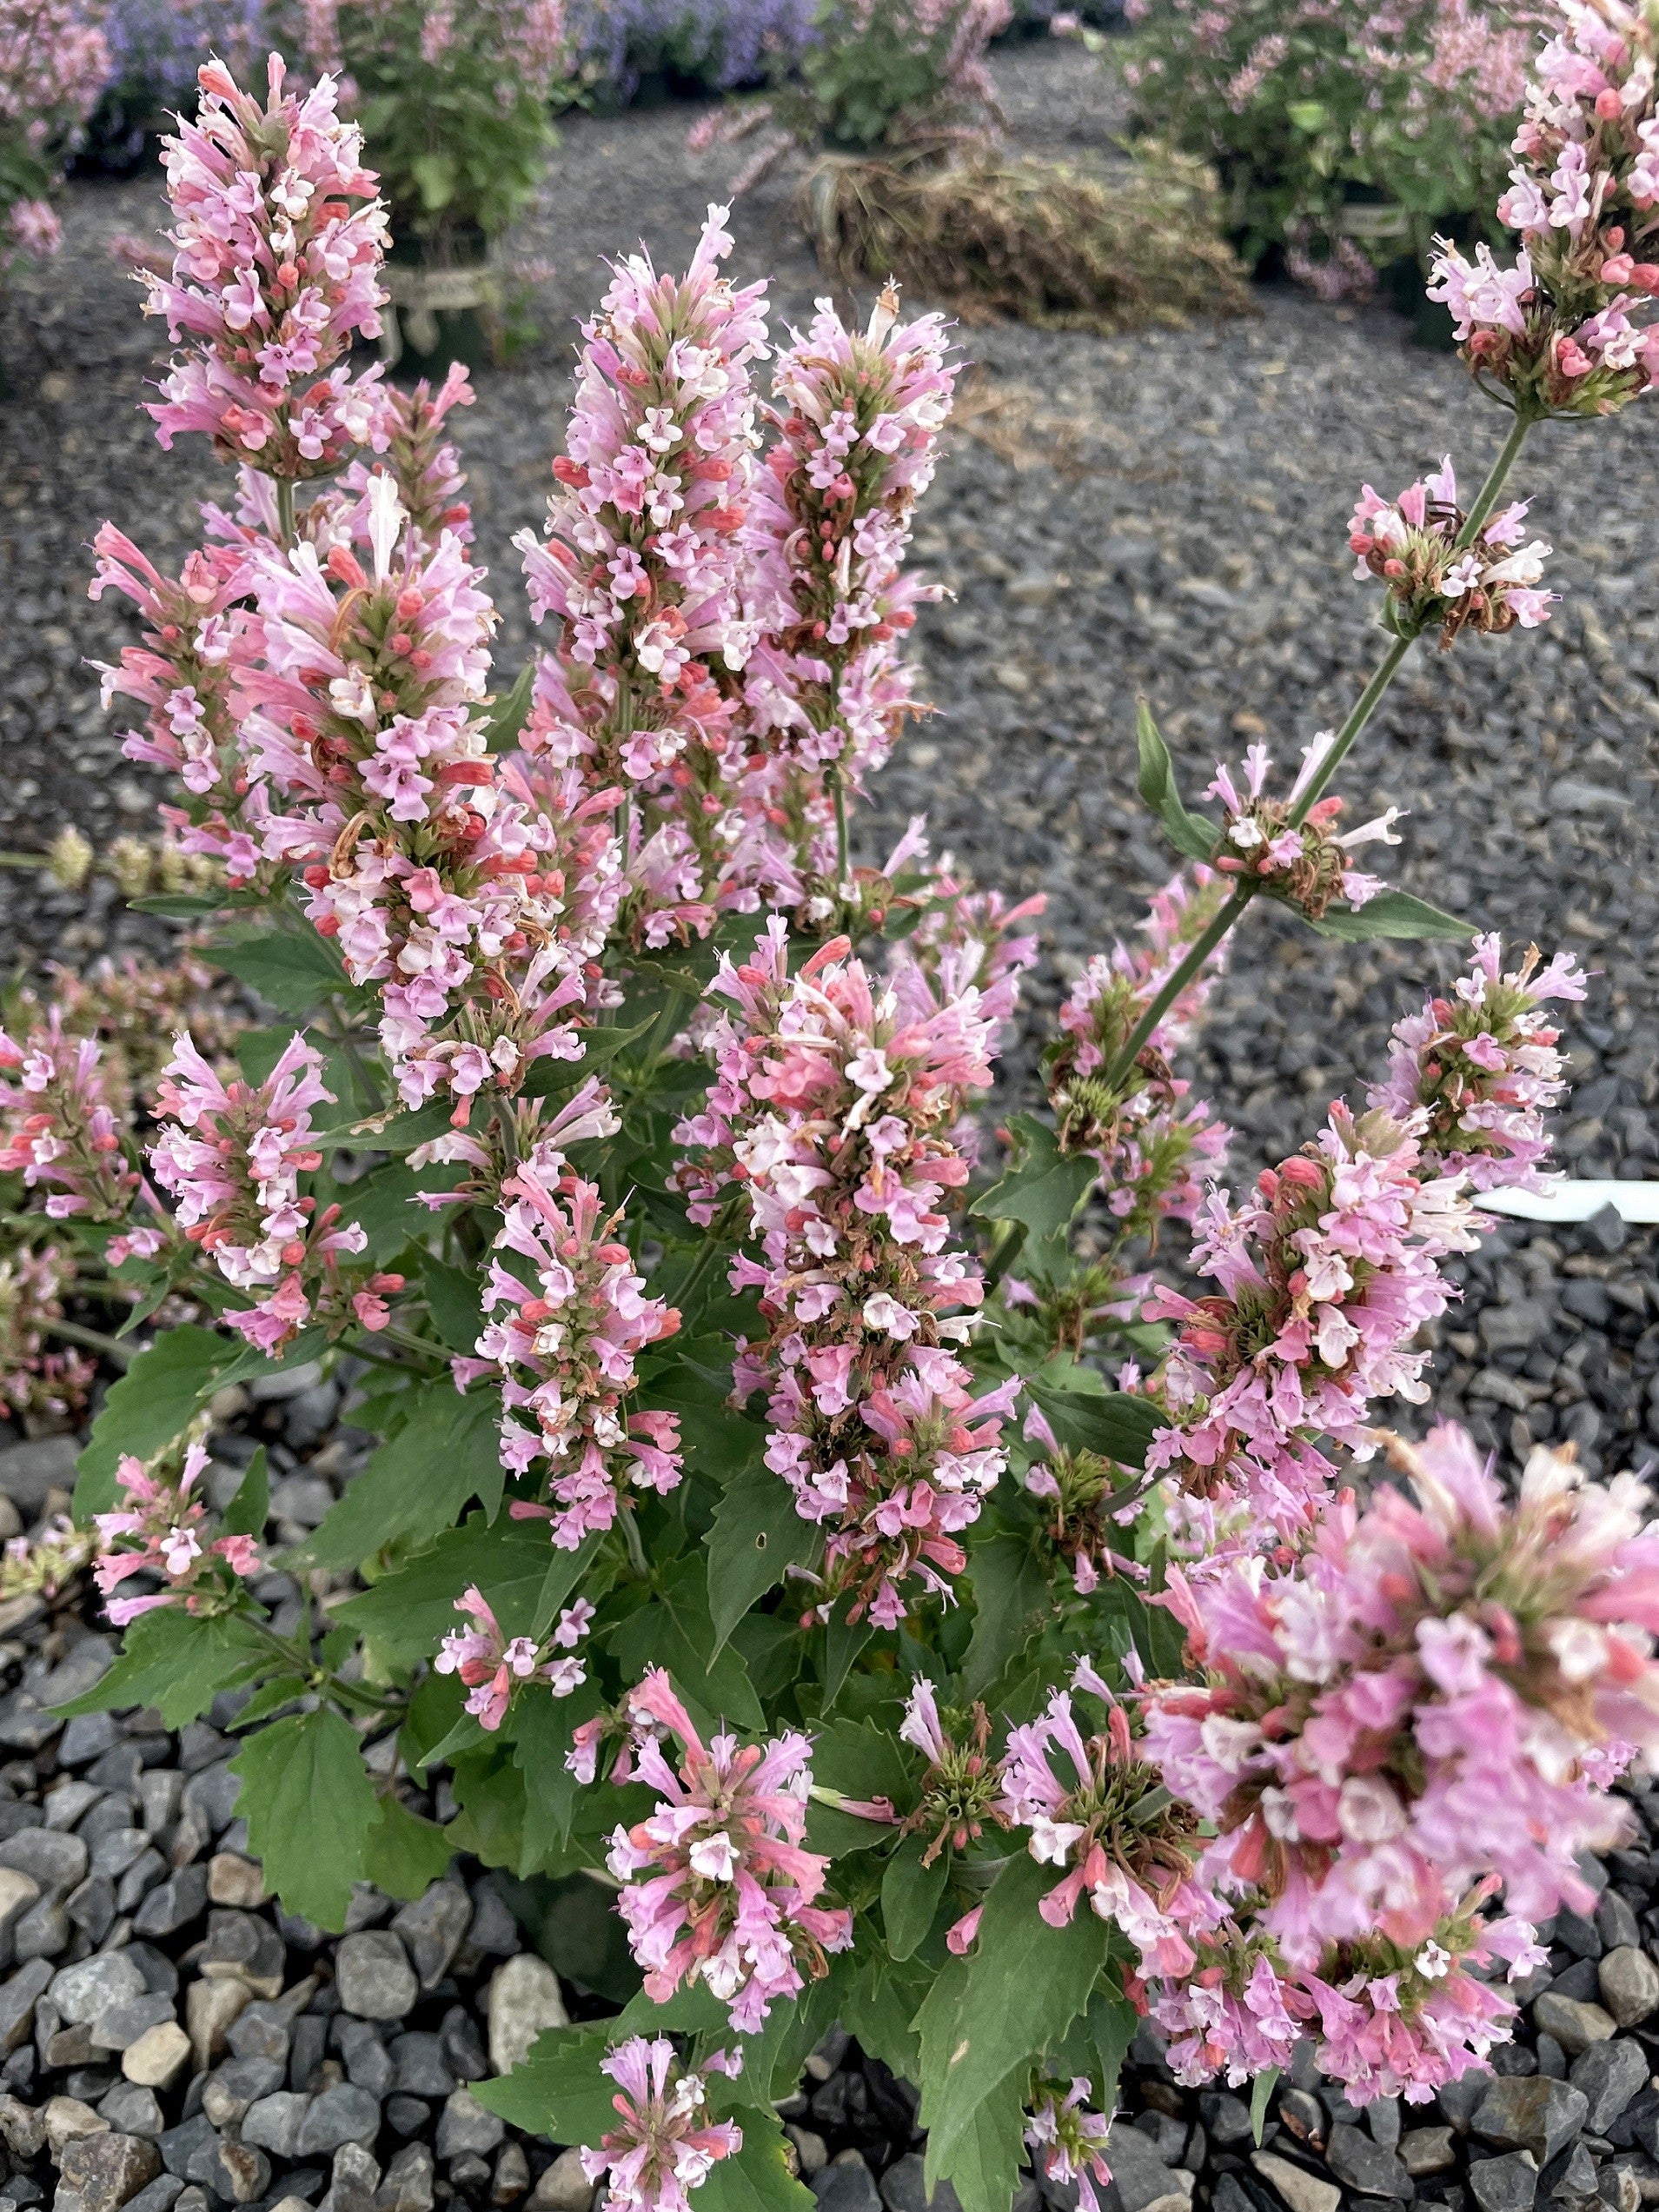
x,y
53,65
1413,544
746,1397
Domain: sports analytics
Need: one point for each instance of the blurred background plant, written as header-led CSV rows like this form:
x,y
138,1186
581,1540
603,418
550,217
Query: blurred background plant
x,y
53,65
155,48
624,49
1345,137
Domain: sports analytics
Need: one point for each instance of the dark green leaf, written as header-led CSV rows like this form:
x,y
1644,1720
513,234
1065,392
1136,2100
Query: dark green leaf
x,y
407,1612
1112,2025
455,1299
674,1631
151,1403
757,1534
1114,1423
446,1453
998,2008
558,2091
251,1362
309,1806
271,1696
1047,1186
292,972
1012,1597
250,1510
1392,914
406,1854
178,1662
982,2161
547,1076
543,1730
877,2006
910,1896
507,716
1191,835
843,1640
490,1791
757,2178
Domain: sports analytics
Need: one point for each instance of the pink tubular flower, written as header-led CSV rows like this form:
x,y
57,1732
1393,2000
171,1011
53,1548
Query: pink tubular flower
x,y
231,1156
1091,1807
491,1665
666,2143
565,1346
160,1530
1414,544
1326,1275
1229,2014
1483,1064
1068,2140
830,1117
728,1897
276,271
1306,864
62,1127
35,1382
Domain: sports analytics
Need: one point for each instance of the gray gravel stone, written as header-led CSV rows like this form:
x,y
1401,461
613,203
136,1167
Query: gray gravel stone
x,y
122,2025
466,2125
274,2123
1610,2075
1363,2164
86,1992
420,2069
845,2188
407,2186
178,1901
564,2187
1506,2184
190,2149
230,2089
1630,1985
1529,2112
27,1472
1428,2151
1301,2190
344,2114
158,2195
367,2061
524,1999
373,1975
1573,2024
432,1929
101,2173
239,2171
55,1861
131,2110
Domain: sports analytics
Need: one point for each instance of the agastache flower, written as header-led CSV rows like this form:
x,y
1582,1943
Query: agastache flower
x,y
1067,2140
160,1528
62,1126
1483,1063
276,271
36,1382
1304,864
728,1894
492,1665
961,1785
1414,544
666,2143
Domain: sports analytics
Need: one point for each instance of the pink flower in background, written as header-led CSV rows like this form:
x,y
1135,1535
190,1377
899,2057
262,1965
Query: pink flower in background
x,y
35,228
667,2144
727,1893
61,1126
160,1528
1067,2140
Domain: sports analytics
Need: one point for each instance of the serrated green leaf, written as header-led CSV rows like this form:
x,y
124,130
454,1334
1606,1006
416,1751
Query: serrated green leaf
x,y
291,971
178,1662
547,1077
756,2178
406,1854
270,1697
152,1404
1191,835
982,2161
446,1453
1112,1423
507,716
455,1299
557,2090
756,1535
1045,1190
1112,2024
250,1510
1012,1597
910,1896
490,1791
309,1806
543,1730
406,1613
674,1631
1019,1989
1392,914
878,2005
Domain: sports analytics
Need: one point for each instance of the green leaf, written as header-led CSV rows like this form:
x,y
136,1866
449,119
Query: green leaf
x,y
1392,914
674,1631
1308,115
435,177
999,2009
509,714
1047,1186
543,1729
406,1854
250,1510
843,1640
151,1403
416,1483
1260,2090
407,1612
910,1896
982,2162
272,1695
455,1299
1112,1423
756,2178
1112,2025
309,1806
1012,1598
1191,835
878,2005
547,1076
178,1662
557,2090
756,1535
292,972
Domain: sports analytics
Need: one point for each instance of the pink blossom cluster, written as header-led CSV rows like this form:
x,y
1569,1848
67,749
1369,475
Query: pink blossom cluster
x,y
829,1122
62,1124
1326,1274
961,1788
1158,1147
279,240
727,1896
857,417
1067,2139
231,1156
1229,2012
564,1343
54,63
1483,1064
1568,329
1414,544
1093,1811
36,1383
1086,1499
667,2145
523,40
491,1665
159,1529
1305,863
1427,1705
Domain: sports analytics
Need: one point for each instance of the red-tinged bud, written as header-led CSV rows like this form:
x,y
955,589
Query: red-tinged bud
x,y
1325,811
399,641
386,1283
293,1252
327,926
1305,1174
570,472
462,1114
1607,104
316,876
1644,274
1617,268
344,567
535,1310
1394,568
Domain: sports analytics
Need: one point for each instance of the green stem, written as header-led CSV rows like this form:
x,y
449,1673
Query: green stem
x,y
1003,1253
631,1537
94,1340
838,791
286,529
718,1232
1366,705
321,1680
24,860
1124,1066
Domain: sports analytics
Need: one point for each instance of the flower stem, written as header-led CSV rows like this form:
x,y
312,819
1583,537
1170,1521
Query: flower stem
x,y
838,792
285,523
631,1537
1124,1066
94,1340
24,859
717,1232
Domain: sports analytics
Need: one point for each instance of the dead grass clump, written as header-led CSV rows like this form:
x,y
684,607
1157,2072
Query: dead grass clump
x,y
1046,243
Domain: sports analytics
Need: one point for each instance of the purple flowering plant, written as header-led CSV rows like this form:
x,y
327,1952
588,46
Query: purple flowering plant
x,y
901,1621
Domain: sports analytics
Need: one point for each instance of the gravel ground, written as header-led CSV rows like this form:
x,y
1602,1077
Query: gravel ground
x,y
1163,514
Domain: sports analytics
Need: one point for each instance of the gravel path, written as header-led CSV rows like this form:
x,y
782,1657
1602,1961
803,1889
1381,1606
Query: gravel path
x,y
1163,514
